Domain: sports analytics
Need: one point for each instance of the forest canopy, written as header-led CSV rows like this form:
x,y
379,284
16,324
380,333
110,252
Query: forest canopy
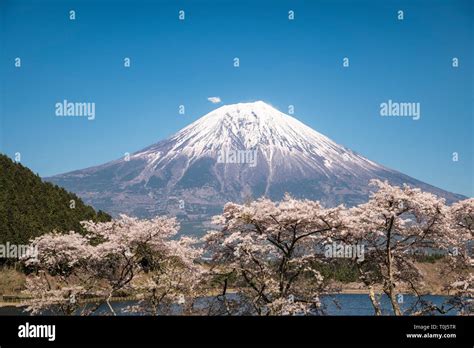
x,y
30,207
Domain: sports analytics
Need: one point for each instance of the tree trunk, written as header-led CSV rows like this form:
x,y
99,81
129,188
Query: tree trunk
x,y
391,285
374,301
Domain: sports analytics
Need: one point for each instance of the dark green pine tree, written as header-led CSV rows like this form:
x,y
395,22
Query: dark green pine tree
x,y
30,207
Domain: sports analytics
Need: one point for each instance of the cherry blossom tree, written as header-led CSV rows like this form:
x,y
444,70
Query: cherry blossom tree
x,y
395,224
270,249
109,260
57,279
172,282
459,240
59,253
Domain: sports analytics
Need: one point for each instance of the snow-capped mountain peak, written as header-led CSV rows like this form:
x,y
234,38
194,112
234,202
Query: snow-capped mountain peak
x,y
234,152
260,127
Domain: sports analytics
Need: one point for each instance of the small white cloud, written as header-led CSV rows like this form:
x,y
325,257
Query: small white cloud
x,y
214,100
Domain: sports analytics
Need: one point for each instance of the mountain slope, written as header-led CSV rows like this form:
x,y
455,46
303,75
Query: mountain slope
x,y
275,153
30,207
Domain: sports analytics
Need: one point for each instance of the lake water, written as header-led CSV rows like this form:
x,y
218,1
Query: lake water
x,y
338,304
359,304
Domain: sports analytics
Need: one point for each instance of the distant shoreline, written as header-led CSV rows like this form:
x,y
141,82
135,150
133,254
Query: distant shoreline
x,y
21,302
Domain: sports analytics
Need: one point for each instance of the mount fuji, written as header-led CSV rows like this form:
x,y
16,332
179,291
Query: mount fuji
x,y
234,153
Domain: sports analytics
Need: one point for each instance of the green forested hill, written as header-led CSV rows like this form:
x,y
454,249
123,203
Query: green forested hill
x,y
30,207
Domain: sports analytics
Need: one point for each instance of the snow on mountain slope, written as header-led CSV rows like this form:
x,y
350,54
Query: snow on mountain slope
x,y
234,153
248,126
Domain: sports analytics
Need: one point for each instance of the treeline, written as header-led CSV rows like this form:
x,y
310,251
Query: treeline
x,y
30,207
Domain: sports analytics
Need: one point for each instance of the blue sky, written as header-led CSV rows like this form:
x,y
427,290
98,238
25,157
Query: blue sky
x,y
282,62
